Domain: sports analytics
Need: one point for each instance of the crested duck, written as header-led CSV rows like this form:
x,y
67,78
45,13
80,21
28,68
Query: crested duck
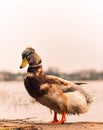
x,y
61,96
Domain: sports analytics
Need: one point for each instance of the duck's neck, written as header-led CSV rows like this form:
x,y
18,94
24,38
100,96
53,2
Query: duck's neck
x,y
36,70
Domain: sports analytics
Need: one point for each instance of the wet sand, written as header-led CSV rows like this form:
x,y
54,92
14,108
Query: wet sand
x,y
19,125
75,126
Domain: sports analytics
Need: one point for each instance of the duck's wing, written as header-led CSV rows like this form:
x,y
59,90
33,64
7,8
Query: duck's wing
x,y
58,81
64,84
67,87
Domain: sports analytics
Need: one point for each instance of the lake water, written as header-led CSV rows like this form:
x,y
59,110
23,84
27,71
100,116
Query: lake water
x,y
15,103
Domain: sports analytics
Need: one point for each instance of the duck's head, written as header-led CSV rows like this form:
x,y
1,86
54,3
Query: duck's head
x,y
29,56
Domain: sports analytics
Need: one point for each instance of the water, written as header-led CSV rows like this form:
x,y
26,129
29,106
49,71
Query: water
x,y
15,103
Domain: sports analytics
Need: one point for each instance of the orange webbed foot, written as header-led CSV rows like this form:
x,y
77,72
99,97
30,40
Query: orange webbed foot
x,y
63,119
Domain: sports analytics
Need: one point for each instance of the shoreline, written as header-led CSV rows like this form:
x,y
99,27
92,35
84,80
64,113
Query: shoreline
x,y
26,125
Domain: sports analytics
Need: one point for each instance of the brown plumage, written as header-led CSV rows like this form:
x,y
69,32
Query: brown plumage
x,y
59,95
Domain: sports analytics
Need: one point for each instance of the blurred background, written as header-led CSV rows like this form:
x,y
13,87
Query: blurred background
x,y
67,34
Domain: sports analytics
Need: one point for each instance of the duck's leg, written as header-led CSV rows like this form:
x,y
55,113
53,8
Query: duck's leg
x,y
63,119
55,117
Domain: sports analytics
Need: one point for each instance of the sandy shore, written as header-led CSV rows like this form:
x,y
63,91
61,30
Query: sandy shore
x,y
75,126
19,125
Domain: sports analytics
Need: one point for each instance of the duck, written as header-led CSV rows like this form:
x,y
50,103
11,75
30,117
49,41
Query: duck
x,y
59,95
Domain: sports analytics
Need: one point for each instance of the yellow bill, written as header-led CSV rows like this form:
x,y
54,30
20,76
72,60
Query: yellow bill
x,y
24,63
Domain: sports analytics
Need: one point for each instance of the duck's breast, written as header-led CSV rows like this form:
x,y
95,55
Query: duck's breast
x,y
33,87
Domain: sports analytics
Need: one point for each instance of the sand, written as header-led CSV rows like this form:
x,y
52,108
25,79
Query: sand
x,y
19,125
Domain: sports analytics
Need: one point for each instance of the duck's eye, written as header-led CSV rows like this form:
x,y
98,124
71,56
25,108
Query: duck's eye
x,y
28,58
24,57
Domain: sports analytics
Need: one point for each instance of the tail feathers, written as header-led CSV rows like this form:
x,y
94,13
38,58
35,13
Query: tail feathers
x,y
90,98
84,88
88,93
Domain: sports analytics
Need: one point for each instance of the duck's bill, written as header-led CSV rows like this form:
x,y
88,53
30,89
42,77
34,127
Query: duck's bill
x,y
24,63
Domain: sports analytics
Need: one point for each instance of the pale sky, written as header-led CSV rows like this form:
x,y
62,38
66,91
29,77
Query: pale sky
x,y
67,34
